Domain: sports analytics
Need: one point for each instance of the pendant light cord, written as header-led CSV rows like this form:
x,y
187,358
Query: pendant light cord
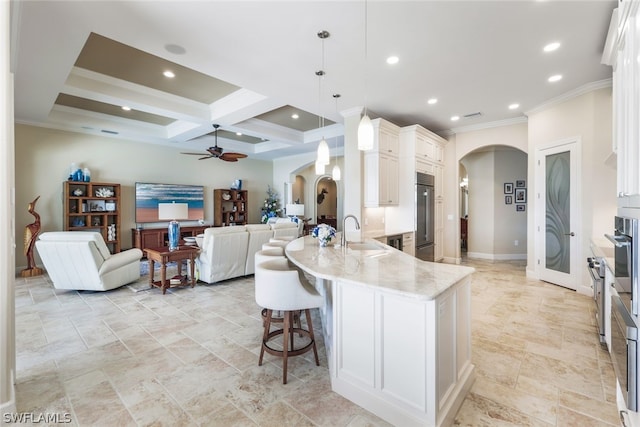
x,y
366,49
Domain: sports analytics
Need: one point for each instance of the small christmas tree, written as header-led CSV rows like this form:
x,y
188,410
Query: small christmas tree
x,y
270,208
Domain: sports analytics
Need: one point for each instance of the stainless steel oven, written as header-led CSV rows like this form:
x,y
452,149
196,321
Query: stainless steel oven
x,y
626,241
597,268
624,351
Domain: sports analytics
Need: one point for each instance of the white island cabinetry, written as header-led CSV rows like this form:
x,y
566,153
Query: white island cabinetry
x,y
397,329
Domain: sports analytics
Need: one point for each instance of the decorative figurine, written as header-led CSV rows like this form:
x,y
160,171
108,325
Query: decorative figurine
x,y
30,235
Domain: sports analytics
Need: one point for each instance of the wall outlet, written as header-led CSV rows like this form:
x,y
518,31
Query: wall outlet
x,y
516,243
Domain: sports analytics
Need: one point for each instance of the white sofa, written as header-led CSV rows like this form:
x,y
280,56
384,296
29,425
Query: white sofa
x,y
258,235
228,252
80,260
223,253
284,227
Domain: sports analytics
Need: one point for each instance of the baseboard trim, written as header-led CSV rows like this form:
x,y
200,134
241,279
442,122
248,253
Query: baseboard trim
x,y
9,407
497,257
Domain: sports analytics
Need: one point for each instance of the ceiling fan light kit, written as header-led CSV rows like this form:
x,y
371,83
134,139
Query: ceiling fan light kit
x,y
216,152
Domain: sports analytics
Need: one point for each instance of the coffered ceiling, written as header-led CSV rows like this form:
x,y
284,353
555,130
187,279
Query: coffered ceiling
x,y
251,65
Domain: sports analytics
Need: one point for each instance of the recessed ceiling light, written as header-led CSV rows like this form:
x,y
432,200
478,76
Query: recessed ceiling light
x,y
392,60
125,108
432,101
169,74
555,78
551,47
239,133
455,118
294,116
513,106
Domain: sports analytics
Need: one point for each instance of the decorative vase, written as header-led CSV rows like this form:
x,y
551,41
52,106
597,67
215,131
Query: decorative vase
x,y
323,242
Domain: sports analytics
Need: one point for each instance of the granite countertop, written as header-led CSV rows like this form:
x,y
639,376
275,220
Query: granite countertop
x,y
379,266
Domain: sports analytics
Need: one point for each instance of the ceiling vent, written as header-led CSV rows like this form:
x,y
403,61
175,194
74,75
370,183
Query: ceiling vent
x,y
472,115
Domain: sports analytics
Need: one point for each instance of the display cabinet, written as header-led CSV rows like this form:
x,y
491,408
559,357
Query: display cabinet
x,y
93,206
229,207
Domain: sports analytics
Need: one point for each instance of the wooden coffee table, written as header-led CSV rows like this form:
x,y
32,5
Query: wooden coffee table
x,y
163,255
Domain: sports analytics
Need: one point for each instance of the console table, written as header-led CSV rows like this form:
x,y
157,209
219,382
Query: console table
x,y
156,237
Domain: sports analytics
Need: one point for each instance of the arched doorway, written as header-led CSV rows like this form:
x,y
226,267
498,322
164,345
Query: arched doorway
x,y
497,218
326,201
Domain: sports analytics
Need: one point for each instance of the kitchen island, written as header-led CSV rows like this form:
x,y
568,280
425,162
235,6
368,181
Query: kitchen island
x,y
397,329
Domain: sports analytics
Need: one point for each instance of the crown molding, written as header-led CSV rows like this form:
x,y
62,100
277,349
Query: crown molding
x,y
589,87
488,125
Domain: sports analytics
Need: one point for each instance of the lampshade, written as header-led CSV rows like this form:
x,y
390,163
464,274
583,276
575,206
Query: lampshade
x,y
319,168
172,211
323,152
336,174
295,209
365,134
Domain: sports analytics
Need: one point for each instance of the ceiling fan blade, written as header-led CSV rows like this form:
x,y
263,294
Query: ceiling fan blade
x,y
194,154
205,157
234,156
228,159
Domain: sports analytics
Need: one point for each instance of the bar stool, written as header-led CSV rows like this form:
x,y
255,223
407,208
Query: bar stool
x,y
278,287
269,254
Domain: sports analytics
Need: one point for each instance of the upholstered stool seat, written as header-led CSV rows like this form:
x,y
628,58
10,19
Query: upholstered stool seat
x,y
270,254
278,287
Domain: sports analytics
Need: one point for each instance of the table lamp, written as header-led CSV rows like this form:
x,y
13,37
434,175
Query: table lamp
x,y
295,209
173,212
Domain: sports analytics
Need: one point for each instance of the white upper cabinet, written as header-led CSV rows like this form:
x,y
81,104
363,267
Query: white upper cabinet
x,y
622,51
381,167
429,146
386,139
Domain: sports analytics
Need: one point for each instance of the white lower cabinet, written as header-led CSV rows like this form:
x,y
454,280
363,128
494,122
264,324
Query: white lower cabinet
x,y
406,360
408,244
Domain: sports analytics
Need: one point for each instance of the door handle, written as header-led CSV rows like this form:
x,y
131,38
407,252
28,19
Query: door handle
x,y
570,234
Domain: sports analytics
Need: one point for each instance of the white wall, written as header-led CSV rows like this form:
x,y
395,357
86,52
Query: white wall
x,y
509,225
480,168
587,117
42,163
7,218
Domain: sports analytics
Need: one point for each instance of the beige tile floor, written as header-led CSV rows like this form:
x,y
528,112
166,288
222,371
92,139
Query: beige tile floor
x,y
190,358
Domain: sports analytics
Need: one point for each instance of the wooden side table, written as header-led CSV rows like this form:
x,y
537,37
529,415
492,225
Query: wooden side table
x,y
163,255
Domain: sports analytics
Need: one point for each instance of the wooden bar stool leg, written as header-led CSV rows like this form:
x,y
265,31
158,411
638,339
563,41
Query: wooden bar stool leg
x,y
285,345
265,335
312,336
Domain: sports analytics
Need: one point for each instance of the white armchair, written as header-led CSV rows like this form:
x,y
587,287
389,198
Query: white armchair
x,y
80,260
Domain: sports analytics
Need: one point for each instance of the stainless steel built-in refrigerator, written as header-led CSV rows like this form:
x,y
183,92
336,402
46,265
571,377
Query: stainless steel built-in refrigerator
x,y
424,216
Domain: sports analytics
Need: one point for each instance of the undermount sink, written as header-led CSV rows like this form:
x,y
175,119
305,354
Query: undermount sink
x,y
364,246
370,250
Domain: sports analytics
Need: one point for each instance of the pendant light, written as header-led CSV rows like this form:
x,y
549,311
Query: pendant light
x,y
365,128
323,156
336,173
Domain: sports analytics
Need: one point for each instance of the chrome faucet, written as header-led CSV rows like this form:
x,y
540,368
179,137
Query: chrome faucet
x,y
343,240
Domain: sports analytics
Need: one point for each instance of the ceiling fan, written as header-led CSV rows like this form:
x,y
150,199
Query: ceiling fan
x,y
217,152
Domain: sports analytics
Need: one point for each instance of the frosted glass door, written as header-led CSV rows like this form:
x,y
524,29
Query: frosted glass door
x,y
557,213
557,216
